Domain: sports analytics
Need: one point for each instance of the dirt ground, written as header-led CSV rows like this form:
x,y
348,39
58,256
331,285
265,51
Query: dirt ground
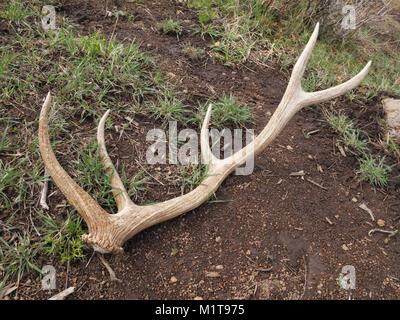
x,y
281,236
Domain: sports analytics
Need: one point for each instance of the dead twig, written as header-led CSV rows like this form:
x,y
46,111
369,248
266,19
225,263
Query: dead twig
x,y
63,294
263,269
7,290
43,194
365,208
305,277
109,269
391,233
316,184
149,173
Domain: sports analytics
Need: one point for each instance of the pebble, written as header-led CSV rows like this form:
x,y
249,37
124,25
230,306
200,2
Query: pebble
x,y
345,248
381,222
212,274
219,267
173,279
354,199
218,239
198,298
171,74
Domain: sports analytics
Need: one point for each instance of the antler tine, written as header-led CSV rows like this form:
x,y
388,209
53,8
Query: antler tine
x,y
120,195
330,93
301,64
206,152
91,212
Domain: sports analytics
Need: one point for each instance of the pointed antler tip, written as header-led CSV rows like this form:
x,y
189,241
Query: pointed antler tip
x,y
316,29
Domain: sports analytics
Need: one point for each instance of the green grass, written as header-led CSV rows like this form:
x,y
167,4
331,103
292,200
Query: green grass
x,y
227,110
169,106
375,172
194,53
350,134
63,238
208,30
136,185
170,26
18,256
92,177
15,12
191,176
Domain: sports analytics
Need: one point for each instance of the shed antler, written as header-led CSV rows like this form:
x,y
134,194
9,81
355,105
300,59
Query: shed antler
x,y
107,233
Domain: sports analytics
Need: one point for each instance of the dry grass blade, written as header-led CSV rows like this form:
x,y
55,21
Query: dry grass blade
x,y
63,294
7,290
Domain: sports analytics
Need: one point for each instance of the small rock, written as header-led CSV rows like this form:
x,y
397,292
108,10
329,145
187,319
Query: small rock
x,y
171,75
219,267
198,298
173,279
381,222
212,274
392,109
354,199
218,239
246,78
248,252
345,248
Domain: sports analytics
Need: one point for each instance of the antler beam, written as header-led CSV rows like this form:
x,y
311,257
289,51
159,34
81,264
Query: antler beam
x,y
108,233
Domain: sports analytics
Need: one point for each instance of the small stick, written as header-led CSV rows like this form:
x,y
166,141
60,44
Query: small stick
x,y
329,221
365,208
43,195
149,173
63,294
305,277
110,271
90,259
317,184
7,290
264,270
391,233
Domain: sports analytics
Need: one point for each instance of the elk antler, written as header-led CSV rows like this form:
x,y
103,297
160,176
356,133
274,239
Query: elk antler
x,y
107,233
